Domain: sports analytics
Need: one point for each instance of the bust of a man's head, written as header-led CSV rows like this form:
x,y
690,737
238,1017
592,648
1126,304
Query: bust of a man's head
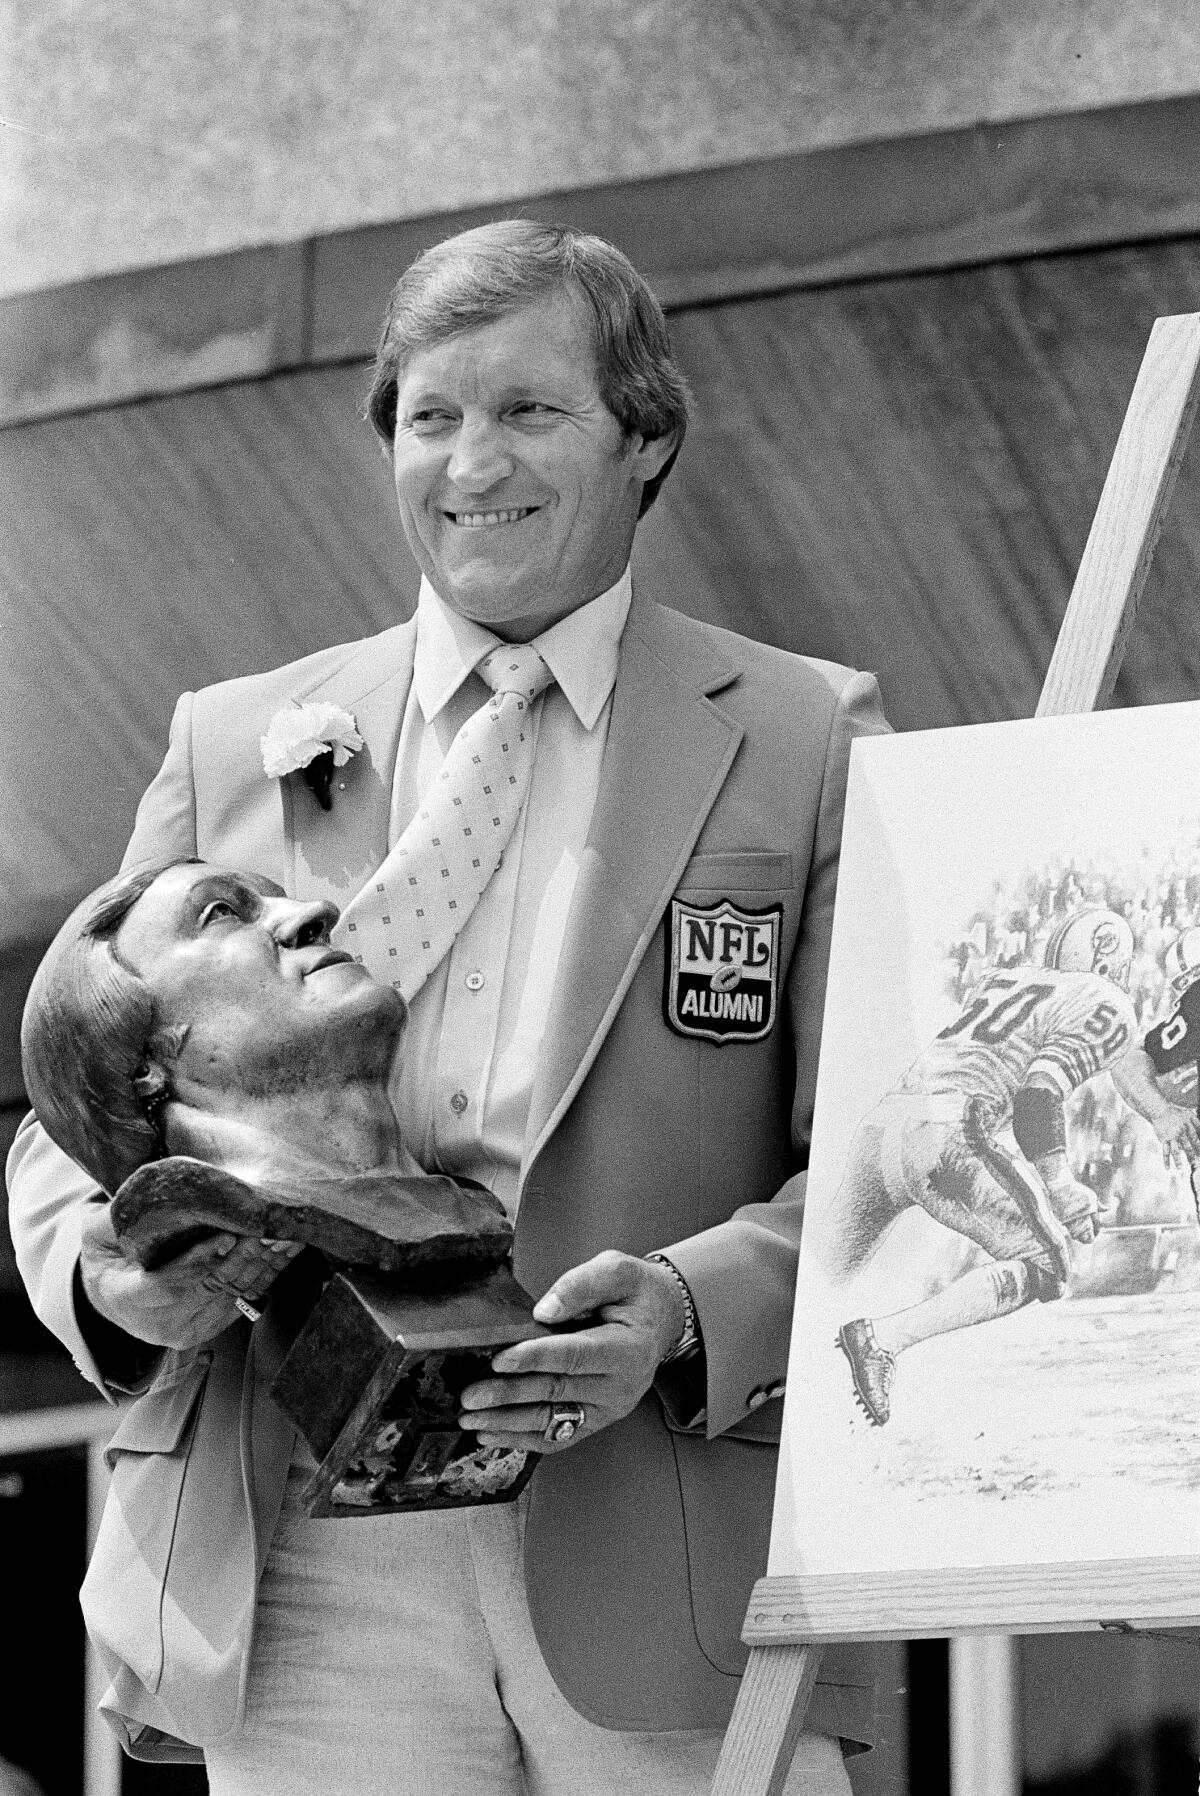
x,y
189,1009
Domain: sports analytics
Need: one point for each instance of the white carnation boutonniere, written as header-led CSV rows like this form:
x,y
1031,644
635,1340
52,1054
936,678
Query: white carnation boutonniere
x,y
311,740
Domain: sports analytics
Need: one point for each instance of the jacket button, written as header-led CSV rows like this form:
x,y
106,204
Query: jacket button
x,y
458,1102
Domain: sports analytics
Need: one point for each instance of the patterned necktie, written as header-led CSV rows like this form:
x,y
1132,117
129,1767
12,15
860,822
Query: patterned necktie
x,y
404,920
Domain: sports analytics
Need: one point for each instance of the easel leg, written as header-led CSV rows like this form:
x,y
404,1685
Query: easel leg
x,y
767,1720
984,1756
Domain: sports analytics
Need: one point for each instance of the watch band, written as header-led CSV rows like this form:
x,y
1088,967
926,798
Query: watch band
x,y
690,1338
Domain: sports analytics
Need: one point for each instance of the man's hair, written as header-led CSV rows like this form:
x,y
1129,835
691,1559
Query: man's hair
x,y
85,1036
482,275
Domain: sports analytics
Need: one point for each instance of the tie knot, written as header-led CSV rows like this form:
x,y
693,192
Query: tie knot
x,y
515,667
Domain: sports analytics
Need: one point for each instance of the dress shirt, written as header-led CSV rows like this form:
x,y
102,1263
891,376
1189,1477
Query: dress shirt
x,y
463,1086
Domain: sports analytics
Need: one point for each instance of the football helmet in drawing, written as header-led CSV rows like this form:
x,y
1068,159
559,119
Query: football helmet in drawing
x,y
1092,940
1181,962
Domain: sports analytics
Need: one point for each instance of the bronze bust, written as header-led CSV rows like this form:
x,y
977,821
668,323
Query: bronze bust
x,y
194,1041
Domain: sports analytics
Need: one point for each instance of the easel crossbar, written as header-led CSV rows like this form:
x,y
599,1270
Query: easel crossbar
x,y
1010,1599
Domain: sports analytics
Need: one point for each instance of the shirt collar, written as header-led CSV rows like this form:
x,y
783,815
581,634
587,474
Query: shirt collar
x,y
581,650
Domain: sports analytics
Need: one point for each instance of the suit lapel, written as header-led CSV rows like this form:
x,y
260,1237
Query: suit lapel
x,y
668,752
330,854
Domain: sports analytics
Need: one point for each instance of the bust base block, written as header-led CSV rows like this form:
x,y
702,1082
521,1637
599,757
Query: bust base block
x,y
373,1381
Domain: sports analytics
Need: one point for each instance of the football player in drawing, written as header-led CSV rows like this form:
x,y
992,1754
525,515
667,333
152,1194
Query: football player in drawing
x,y
1170,1056
1024,1042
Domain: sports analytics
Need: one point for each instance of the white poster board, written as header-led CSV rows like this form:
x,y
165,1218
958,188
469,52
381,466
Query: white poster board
x,y
1068,1429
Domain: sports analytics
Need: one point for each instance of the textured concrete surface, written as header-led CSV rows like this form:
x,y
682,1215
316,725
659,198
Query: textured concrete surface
x,y
136,136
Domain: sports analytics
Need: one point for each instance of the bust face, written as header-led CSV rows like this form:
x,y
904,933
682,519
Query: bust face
x,y
268,1005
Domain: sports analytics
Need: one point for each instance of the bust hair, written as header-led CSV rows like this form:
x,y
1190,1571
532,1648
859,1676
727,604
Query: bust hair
x,y
482,275
86,1034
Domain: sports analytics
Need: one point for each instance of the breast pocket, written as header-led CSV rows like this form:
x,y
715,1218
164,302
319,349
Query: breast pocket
x,y
147,1455
729,874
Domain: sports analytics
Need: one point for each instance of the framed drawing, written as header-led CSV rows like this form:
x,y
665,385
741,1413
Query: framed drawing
x,y
996,1349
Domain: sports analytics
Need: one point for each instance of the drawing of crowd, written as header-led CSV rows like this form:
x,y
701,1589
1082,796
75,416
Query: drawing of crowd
x,y
1159,898
1052,1123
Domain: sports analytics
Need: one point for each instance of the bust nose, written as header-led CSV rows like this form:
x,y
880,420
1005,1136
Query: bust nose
x,y
297,923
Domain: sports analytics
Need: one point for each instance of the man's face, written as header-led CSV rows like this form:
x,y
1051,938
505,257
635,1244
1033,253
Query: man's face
x,y
518,490
269,1007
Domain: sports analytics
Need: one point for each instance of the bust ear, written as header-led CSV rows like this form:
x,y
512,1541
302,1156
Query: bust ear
x,y
150,1084
151,1080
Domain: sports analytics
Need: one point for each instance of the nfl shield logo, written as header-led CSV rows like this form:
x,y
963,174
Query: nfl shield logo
x,y
722,970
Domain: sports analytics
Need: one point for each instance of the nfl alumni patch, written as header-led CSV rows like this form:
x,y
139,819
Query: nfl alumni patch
x,y
722,970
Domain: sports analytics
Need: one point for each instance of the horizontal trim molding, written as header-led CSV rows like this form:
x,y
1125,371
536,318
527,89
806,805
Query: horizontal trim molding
x,y
850,212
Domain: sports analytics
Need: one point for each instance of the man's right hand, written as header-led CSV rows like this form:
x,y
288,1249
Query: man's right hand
x,y
185,1302
1179,1132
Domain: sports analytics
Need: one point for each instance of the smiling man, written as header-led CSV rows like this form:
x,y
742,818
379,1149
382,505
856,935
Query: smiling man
x,y
594,844
519,491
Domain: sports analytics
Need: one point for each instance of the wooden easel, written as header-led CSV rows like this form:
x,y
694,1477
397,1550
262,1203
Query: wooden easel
x,y
790,1618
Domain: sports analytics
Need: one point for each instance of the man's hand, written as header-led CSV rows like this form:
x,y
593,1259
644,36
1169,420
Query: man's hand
x,y
1076,1206
1082,1221
1179,1132
607,1367
187,1301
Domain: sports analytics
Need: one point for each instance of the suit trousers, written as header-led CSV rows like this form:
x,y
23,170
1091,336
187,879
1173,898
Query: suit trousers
x,y
396,1657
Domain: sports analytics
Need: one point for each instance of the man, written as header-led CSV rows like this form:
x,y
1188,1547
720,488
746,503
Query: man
x,y
1024,1042
678,833
1170,1054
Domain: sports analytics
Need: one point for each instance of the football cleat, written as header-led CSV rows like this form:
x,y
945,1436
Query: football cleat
x,y
1181,962
872,1368
1092,940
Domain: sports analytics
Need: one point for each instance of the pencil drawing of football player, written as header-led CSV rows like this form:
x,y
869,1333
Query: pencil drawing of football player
x,y
1024,1041
1166,1064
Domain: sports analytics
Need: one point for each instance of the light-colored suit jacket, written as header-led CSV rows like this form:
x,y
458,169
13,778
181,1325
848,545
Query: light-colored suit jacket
x,y
723,779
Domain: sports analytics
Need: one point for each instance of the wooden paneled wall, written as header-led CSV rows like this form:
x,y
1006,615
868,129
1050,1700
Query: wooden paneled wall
x,y
901,474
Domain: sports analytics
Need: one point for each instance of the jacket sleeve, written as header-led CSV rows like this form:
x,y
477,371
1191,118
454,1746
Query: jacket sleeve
x,y
742,1273
50,1198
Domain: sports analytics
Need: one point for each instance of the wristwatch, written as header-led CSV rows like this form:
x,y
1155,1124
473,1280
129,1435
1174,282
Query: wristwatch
x,y
689,1340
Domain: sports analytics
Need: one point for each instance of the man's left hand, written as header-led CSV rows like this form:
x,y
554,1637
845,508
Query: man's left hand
x,y
606,1367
